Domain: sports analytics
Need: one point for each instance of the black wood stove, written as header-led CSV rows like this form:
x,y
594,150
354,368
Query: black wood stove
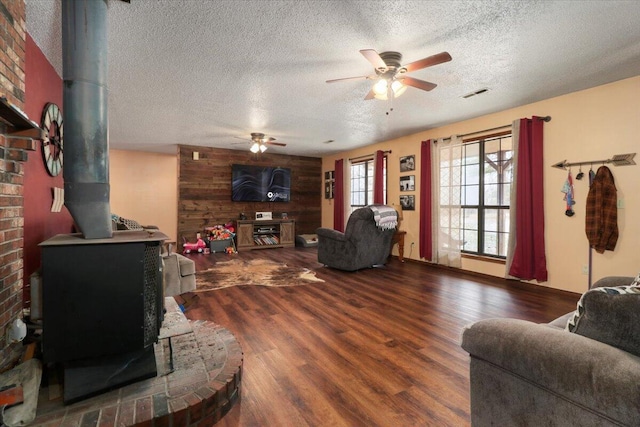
x,y
102,309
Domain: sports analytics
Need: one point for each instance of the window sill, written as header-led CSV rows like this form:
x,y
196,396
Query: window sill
x,y
484,258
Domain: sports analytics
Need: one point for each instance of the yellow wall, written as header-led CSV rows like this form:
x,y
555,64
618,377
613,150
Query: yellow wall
x,y
588,125
144,188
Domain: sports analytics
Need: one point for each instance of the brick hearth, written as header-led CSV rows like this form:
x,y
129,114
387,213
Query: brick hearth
x,y
202,387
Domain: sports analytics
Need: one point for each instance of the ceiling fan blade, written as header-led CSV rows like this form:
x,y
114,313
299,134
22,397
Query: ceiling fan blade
x,y
375,59
428,62
370,95
420,84
280,144
348,78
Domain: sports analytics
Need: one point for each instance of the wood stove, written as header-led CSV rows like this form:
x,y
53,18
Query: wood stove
x,y
102,308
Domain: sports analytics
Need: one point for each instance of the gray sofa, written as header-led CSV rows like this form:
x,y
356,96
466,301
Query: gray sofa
x,y
527,374
362,245
179,274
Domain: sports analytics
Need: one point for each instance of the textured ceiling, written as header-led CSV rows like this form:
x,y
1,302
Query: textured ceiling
x,y
207,72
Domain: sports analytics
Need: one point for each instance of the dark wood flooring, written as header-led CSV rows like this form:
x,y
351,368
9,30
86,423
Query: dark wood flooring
x,y
377,347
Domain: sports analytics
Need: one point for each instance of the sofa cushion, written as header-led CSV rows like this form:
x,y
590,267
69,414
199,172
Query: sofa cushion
x,y
561,322
610,315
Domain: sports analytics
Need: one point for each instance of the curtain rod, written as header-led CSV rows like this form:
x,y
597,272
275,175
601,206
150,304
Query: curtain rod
x,y
464,135
368,156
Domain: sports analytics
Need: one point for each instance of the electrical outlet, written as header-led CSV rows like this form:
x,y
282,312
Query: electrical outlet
x,y
620,203
585,269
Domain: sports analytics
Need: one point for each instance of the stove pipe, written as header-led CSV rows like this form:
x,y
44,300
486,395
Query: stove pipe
x,y
86,140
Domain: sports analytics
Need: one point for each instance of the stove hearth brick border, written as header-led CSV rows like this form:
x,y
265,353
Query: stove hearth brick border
x,y
203,386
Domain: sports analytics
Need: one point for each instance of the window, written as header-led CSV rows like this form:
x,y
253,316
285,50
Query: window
x,y
362,183
487,166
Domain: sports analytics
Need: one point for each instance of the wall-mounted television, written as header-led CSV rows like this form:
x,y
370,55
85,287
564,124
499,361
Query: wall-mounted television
x,y
250,183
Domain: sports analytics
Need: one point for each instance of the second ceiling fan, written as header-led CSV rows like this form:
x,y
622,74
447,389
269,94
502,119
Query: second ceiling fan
x,y
260,142
391,76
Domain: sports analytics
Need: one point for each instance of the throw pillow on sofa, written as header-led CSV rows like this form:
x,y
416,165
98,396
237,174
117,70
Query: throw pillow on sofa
x,y
610,315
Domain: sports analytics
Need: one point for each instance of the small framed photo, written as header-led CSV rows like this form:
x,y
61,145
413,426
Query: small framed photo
x,y
407,163
408,203
408,183
328,189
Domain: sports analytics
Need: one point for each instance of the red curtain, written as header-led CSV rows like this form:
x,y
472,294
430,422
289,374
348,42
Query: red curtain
x,y
529,259
338,201
378,178
426,240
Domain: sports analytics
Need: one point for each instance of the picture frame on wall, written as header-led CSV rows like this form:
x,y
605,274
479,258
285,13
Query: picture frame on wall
x,y
407,163
408,202
329,184
328,190
408,183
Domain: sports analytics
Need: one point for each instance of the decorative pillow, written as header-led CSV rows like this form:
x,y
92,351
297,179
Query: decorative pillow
x,y
610,315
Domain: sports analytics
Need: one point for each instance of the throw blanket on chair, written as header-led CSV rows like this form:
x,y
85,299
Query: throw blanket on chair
x,y
386,217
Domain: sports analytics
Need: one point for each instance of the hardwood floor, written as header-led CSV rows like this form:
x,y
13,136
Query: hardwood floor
x,y
377,347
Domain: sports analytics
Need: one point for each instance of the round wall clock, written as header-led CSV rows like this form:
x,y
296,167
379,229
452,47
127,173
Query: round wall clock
x,y
53,143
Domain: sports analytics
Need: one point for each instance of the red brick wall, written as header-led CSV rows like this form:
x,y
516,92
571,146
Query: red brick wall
x,y
12,156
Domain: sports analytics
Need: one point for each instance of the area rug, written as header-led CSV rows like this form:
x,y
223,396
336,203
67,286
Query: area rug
x,y
257,272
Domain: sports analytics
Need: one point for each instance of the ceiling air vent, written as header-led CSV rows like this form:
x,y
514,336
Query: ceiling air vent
x,y
477,92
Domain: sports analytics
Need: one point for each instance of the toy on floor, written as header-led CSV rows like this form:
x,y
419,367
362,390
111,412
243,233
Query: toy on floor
x,y
198,246
220,232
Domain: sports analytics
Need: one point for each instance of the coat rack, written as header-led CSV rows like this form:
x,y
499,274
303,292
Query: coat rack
x,y
616,160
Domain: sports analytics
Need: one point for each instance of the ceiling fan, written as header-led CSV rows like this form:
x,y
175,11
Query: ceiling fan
x,y
260,142
390,76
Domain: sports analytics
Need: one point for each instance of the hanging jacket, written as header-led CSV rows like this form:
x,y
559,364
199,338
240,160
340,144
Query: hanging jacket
x,y
602,212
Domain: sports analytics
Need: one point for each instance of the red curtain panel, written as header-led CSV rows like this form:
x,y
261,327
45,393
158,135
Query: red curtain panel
x,y
426,240
338,201
529,259
378,178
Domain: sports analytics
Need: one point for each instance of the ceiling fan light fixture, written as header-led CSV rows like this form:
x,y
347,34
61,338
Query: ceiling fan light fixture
x,y
263,148
380,88
255,147
398,88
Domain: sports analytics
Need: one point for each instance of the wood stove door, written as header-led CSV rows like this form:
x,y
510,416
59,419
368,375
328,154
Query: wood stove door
x,y
94,300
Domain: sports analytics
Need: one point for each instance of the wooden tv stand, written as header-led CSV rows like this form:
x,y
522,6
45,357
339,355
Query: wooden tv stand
x,y
264,234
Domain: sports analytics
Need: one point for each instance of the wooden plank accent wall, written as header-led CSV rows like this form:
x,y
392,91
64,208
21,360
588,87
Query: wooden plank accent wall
x,y
204,189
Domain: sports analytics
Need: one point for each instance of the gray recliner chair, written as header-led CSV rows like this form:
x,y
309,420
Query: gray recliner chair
x,y
362,245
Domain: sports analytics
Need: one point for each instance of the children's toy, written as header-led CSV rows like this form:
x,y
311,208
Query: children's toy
x,y
220,238
198,246
219,232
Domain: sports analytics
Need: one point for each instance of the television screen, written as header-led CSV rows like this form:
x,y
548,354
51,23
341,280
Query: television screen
x,y
260,184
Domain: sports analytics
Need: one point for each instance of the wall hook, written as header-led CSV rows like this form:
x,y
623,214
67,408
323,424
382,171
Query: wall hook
x,y
616,160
